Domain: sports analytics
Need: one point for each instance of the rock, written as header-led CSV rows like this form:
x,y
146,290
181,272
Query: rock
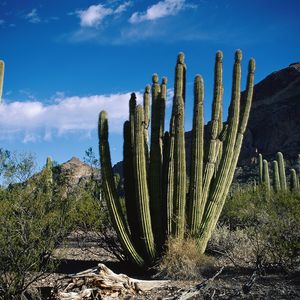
x,y
275,116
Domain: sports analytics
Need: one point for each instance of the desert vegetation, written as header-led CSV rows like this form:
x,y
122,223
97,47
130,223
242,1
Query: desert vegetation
x,y
166,222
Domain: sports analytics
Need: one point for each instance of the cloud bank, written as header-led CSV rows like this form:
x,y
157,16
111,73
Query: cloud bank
x,y
34,120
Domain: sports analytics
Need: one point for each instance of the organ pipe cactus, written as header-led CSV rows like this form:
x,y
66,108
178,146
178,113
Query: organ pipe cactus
x,y
276,178
1,78
158,204
281,166
279,181
266,176
294,183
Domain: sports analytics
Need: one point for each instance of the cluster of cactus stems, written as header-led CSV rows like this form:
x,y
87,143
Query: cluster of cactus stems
x,y
1,78
279,180
158,202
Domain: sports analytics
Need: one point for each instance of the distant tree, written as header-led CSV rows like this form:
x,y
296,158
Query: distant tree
x,y
16,167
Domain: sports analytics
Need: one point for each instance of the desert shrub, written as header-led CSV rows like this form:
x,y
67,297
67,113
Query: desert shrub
x,y
233,247
33,223
269,224
182,260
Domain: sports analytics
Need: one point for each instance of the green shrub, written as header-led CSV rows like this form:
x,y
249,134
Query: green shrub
x,y
271,224
33,223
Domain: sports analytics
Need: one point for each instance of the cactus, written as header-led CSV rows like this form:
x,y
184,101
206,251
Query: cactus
x,y
276,178
1,78
260,168
156,198
294,183
266,176
281,166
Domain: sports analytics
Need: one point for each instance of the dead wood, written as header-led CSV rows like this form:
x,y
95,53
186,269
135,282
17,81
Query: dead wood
x,y
103,283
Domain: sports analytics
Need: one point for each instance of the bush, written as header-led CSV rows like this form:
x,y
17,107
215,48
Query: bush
x,y
269,224
182,260
33,223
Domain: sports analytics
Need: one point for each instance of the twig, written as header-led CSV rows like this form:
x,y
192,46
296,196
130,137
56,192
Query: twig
x,y
188,294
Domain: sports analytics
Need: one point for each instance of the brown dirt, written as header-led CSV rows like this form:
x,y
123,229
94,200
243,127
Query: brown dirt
x,y
228,285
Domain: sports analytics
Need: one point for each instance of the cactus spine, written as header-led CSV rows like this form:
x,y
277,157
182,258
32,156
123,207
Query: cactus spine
x,y
159,201
1,78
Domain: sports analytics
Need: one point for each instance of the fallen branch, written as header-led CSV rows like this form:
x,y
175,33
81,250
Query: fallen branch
x,y
103,282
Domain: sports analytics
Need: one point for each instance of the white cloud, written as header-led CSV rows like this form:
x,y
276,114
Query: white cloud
x,y
122,7
33,120
159,10
93,15
33,16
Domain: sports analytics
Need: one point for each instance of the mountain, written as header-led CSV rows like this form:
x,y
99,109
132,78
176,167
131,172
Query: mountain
x,y
274,123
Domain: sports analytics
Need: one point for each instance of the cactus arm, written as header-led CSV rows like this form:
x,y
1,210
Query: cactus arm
x,y
242,126
276,179
163,100
266,176
129,187
282,175
239,139
293,180
110,193
140,175
1,78
156,161
169,186
260,168
219,184
212,149
179,171
169,189
167,227
146,104
195,188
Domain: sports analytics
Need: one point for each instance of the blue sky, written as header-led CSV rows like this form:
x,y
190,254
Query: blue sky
x,y
67,60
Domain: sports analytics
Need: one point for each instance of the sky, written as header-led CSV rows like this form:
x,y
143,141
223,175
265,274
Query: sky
x,y
65,61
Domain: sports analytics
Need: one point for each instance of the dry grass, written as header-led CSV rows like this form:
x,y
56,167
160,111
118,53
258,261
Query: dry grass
x,y
182,261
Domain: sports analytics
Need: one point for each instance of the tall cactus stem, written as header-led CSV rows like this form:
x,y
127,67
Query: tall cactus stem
x,y
146,104
216,195
276,178
260,168
142,194
156,160
179,171
282,175
195,188
110,193
266,176
129,187
212,155
294,180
